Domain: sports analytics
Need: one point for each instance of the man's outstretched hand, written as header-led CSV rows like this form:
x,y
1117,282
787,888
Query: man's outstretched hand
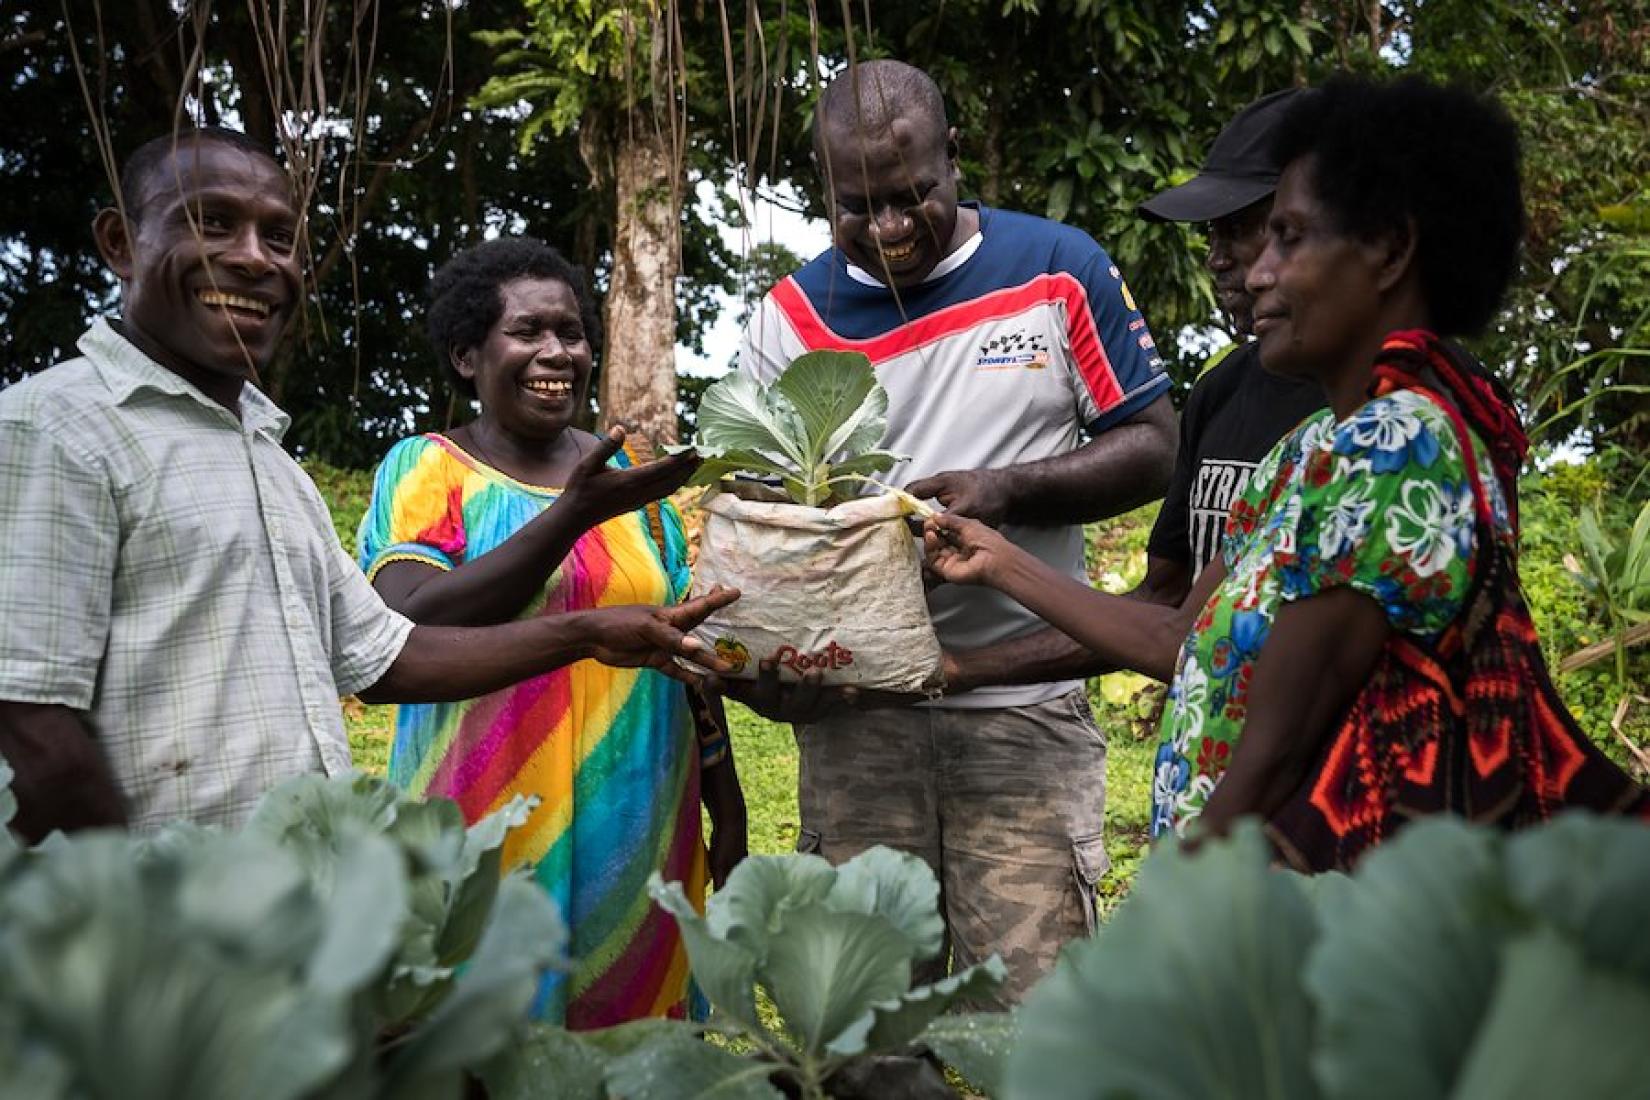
x,y
653,637
977,494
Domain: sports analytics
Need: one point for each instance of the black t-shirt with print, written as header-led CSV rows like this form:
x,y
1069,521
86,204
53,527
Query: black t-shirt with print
x,y
1235,414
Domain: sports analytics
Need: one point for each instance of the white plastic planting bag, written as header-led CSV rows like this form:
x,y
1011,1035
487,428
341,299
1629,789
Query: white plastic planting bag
x,y
838,590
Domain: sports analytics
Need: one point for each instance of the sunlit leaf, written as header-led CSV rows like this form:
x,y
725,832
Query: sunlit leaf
x,y
825,406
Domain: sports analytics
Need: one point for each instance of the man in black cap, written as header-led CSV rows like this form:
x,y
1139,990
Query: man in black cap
x,y
1236,411
1235,414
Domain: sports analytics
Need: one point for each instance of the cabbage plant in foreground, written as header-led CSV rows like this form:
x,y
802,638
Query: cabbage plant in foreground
x,y
349,942
834,949
1457,963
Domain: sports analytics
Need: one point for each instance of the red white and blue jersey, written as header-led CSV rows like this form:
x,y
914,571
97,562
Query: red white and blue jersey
x,y
1016,345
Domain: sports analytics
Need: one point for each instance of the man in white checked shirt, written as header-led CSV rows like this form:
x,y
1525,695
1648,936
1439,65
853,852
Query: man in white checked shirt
x,y
177,619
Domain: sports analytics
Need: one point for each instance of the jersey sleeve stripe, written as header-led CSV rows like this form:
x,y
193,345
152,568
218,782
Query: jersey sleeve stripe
x,y
1089,351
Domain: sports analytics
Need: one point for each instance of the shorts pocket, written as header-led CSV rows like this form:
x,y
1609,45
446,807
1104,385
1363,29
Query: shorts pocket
x,y
807,842
1082,712
1089,863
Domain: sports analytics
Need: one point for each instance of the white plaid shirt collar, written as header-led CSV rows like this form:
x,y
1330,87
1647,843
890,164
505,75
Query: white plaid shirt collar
x,y
126,370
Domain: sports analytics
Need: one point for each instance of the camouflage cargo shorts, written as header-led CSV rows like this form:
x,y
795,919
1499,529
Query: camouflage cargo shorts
x,y
1006,805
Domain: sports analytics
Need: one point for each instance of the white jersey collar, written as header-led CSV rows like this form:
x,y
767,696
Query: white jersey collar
x,y
945,267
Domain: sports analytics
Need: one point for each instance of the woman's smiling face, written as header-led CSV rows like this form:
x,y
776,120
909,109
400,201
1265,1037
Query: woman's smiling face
x,y
532,372
1317,290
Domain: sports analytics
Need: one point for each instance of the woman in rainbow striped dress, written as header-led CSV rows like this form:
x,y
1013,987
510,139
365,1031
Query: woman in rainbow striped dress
x,y
518,513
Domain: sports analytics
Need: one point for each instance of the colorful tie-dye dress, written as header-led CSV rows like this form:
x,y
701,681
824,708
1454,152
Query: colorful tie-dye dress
x,y
609,753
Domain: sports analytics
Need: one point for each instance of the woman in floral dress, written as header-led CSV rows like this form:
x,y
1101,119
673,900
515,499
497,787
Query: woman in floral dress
x,y
1318,670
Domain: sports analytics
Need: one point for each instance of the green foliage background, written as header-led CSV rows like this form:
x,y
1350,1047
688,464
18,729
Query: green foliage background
x,y
491,115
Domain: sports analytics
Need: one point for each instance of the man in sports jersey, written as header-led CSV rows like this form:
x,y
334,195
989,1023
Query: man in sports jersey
x,y
1027,391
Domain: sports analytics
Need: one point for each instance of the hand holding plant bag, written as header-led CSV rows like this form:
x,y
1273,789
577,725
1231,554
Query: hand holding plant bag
x,y
832,581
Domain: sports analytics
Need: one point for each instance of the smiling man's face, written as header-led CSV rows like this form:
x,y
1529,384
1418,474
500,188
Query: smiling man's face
x,y
208,263
894,192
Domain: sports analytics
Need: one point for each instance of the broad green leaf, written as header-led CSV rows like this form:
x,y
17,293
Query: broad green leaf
x,y
476,878
362,917
682,1066
716,467
826,969
488,1004
550,1063
828,390
223,888
725,970
29,1069
1059,198
759,893
862,430
1406,962
976,1045
1558,1027
101,960
864,465
1587,876
1192,990
306,816
739,413
825,405
611,1042
895,885
892,1024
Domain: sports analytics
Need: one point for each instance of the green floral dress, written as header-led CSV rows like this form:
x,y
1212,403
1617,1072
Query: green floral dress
x,y
1378,502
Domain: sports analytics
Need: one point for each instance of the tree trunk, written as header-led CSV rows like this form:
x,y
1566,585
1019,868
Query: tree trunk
x,y
638,376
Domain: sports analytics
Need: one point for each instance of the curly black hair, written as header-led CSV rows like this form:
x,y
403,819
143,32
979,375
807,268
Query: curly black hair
x,y
465,302
1389,152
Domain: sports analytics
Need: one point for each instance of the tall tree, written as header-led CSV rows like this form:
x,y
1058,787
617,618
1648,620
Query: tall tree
x,y
608,71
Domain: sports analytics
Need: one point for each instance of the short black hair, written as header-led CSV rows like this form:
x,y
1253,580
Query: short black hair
x,y
147,158
1386,153
465,302
886,90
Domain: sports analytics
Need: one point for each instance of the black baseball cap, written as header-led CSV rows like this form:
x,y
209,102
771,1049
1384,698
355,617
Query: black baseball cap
x,y
1238,171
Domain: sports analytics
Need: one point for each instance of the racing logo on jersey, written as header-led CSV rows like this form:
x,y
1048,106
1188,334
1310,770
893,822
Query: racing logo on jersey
x,y
1013,351
1128,299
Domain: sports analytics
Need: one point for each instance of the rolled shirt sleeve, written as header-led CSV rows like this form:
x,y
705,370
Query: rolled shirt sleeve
x,y
56,586
368,635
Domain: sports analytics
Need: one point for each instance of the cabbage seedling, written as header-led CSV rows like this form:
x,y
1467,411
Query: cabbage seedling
x,y
816,427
